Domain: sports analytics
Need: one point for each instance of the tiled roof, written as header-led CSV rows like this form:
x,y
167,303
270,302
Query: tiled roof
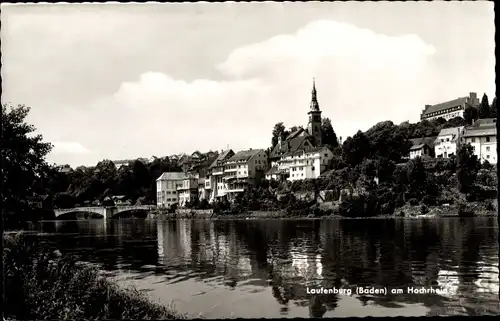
x,y
289,146
309,150
221,157
273,170
429,141
455,132
481,131
244,155
295,133
172,176
449,104
417,147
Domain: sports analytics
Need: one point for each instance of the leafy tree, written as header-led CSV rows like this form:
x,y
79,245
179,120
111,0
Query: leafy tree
x,y
484,107
467,168
356,148
328,134
471,114
417,178
23,164
279,130
493,108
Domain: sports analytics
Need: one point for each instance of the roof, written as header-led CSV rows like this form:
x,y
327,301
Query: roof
x,y
289,146
221,157
295,133
481,131
327,173
417,147
273,170
454,132
245,155
172,176
309,150
201,181
429,141
442,106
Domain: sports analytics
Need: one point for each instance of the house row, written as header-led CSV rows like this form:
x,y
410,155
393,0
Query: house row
x,y
224,175
481,135
227,175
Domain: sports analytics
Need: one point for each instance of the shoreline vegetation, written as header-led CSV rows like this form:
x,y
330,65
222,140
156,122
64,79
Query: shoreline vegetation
x,y
40,284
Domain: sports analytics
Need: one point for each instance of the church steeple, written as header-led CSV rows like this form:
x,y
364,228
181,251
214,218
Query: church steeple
x,y
314,125
314,98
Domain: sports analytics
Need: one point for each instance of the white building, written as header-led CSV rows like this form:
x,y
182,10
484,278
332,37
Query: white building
x,y
303,164
166,188
187,190
422,147
243,169
482,136
215,187
450,109
448,142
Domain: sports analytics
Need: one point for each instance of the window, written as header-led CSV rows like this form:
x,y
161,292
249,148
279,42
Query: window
x,y
473,140
447,139
488,148
326,155
487,139
488,156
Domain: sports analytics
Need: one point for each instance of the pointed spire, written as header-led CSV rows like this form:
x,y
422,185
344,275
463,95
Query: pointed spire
x,y
314,99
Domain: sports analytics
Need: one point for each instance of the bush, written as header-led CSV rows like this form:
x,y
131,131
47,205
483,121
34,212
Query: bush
x,y
413,202
464,210
424,209
40,285
429,200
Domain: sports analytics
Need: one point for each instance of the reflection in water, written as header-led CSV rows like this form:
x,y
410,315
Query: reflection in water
x,y
224,267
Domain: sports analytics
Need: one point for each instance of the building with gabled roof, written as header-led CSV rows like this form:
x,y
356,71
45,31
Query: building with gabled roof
x,y
302,164
215,186
482,136
448,141
243,169
166,188
423,146
450,109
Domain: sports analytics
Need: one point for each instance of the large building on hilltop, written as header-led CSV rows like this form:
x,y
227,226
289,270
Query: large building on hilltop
x,y
450,109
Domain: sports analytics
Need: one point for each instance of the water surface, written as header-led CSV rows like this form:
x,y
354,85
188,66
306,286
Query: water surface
x,y
251,268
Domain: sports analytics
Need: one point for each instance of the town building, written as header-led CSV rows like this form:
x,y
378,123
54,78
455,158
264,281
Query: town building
x,y
243,169
301,138
482,136
421,147
302,164
215,186
450,109
166,188
187,190
448,142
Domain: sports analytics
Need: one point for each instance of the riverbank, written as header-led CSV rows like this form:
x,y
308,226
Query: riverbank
x,y
41,285
328,211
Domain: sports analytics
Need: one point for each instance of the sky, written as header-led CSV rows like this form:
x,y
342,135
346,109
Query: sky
x,y
122,81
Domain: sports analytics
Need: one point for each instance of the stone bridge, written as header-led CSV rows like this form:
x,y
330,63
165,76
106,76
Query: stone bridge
x,y
105,212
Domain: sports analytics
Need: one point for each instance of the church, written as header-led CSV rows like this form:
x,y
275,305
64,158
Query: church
x,y
302,138
301,155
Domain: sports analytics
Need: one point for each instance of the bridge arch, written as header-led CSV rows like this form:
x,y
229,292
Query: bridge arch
x,y
74,215
131,213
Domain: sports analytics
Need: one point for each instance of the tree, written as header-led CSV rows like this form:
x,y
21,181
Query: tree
x,y
417,178
467,168
328,134
471,114
493,108
484,107
279,130
357,148
23,163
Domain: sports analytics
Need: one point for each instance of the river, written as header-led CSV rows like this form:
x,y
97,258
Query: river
x,y
268,268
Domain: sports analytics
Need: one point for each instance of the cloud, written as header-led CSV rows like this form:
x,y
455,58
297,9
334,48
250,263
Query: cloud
x,y
69,148
362,77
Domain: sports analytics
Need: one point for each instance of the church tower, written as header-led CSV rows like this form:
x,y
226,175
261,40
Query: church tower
x,y
314,125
